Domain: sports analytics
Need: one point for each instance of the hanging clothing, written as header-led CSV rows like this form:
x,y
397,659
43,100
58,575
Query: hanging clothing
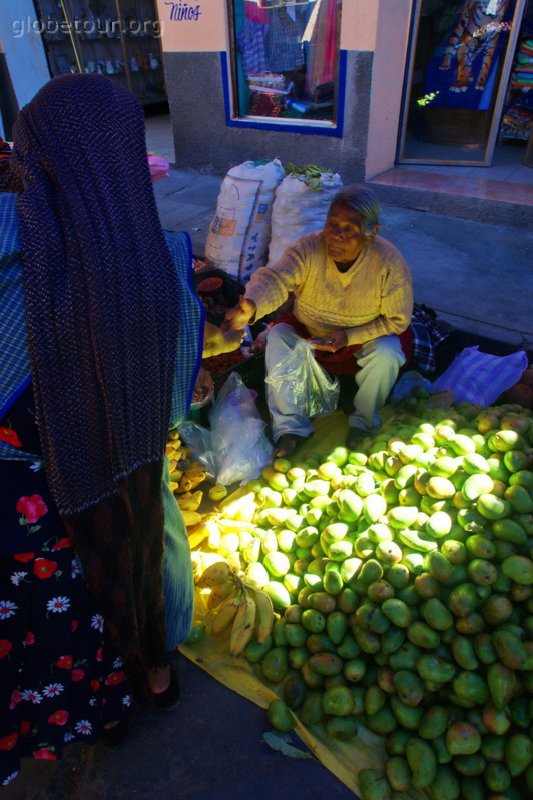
x,y
252,46
322,34
285,50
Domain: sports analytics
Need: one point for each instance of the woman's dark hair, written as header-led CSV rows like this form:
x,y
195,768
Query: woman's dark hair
x,y
361,199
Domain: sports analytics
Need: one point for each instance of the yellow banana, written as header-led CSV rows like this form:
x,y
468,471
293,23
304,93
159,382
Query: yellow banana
x,y
191,518
219,593
214,574
264,618
226,612
190,501
243,624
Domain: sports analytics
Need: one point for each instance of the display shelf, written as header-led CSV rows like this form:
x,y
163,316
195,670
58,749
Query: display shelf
x,y
116,38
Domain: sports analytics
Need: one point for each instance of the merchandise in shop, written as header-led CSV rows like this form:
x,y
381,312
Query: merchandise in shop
x,y
117,38
297,41
462,72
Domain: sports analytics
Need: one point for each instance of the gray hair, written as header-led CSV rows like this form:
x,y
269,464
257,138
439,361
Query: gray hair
x,y
361,199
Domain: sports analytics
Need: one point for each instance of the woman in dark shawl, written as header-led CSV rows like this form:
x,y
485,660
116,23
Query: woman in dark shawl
x,y
103,340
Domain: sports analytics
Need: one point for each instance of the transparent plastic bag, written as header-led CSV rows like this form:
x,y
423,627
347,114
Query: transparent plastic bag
x,y
238,435
308,384
236,447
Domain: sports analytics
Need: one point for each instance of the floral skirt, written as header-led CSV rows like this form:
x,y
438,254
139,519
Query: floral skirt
x,y
60,678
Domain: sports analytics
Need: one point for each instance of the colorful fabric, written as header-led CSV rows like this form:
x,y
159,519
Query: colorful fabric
x,y
373,298
61,679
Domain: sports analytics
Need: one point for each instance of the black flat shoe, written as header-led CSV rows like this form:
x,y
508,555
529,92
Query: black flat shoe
x,y
165,701
113,737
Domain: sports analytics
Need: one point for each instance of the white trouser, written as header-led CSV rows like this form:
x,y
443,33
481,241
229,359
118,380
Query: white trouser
x,y
379,362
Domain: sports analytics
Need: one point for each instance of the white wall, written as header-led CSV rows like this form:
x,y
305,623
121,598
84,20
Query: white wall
x,y
23,48
387,83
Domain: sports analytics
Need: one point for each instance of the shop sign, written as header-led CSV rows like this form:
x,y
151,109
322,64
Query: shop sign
x,y
189,26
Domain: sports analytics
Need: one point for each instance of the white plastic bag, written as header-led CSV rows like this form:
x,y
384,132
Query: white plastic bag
x,y
300,208
307,383
239,233
236,448
480,378
238,435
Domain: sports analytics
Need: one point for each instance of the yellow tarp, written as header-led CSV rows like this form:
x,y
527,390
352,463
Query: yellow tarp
x,y
343,759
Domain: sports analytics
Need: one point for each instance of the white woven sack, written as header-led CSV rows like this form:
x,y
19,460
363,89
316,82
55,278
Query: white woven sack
x,y
480,378
239,233
299,210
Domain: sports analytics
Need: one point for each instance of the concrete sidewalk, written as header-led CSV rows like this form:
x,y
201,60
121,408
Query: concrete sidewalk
x,y
477,276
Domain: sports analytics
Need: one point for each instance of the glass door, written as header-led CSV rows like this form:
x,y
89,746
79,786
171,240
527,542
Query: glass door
x,y
458,68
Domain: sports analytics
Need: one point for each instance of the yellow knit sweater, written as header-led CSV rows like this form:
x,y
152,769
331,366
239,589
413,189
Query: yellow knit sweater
x,y
373,298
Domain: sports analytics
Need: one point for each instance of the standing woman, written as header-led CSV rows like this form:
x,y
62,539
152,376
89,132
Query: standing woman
x,y
100,348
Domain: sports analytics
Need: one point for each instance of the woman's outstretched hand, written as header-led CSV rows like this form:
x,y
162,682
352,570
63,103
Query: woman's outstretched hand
x,y
239,316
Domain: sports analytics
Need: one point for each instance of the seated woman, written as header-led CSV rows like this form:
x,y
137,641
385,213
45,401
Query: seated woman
x,y
100,342
353,299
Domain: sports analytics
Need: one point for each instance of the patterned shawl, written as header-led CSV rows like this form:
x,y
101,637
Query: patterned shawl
x,y
101,309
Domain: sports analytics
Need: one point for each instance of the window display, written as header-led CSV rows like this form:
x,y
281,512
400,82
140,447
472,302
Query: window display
x,y
117,38
285,58
458,71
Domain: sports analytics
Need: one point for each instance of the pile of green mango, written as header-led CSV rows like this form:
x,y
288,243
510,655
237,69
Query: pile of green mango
x,y
403,579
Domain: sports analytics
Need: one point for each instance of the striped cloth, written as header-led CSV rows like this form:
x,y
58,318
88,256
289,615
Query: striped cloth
x,y
14,363
480,378
189,341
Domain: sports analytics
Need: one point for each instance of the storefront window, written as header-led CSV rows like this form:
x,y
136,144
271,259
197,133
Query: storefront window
x,y
457,78
284,63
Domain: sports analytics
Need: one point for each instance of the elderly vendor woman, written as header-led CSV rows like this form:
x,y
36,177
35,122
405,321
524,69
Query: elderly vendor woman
x,y
353,300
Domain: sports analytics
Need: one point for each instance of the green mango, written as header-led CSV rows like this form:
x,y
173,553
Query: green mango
x,y
445,785
434,722
408,717
510,649
373,785
341,728
434,669
518,753
497,778
472,789
470,687
462,739
274,664
311,712
436,614
422,762
501,682
518,569
464,653
470,765
294,692
398,773
383,722
280,715
422,635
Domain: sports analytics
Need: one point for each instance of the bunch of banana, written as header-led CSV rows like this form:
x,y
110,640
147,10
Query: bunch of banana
x,y
186,473
247,608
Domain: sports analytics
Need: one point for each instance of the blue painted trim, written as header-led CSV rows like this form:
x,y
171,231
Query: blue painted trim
x,y
305,130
